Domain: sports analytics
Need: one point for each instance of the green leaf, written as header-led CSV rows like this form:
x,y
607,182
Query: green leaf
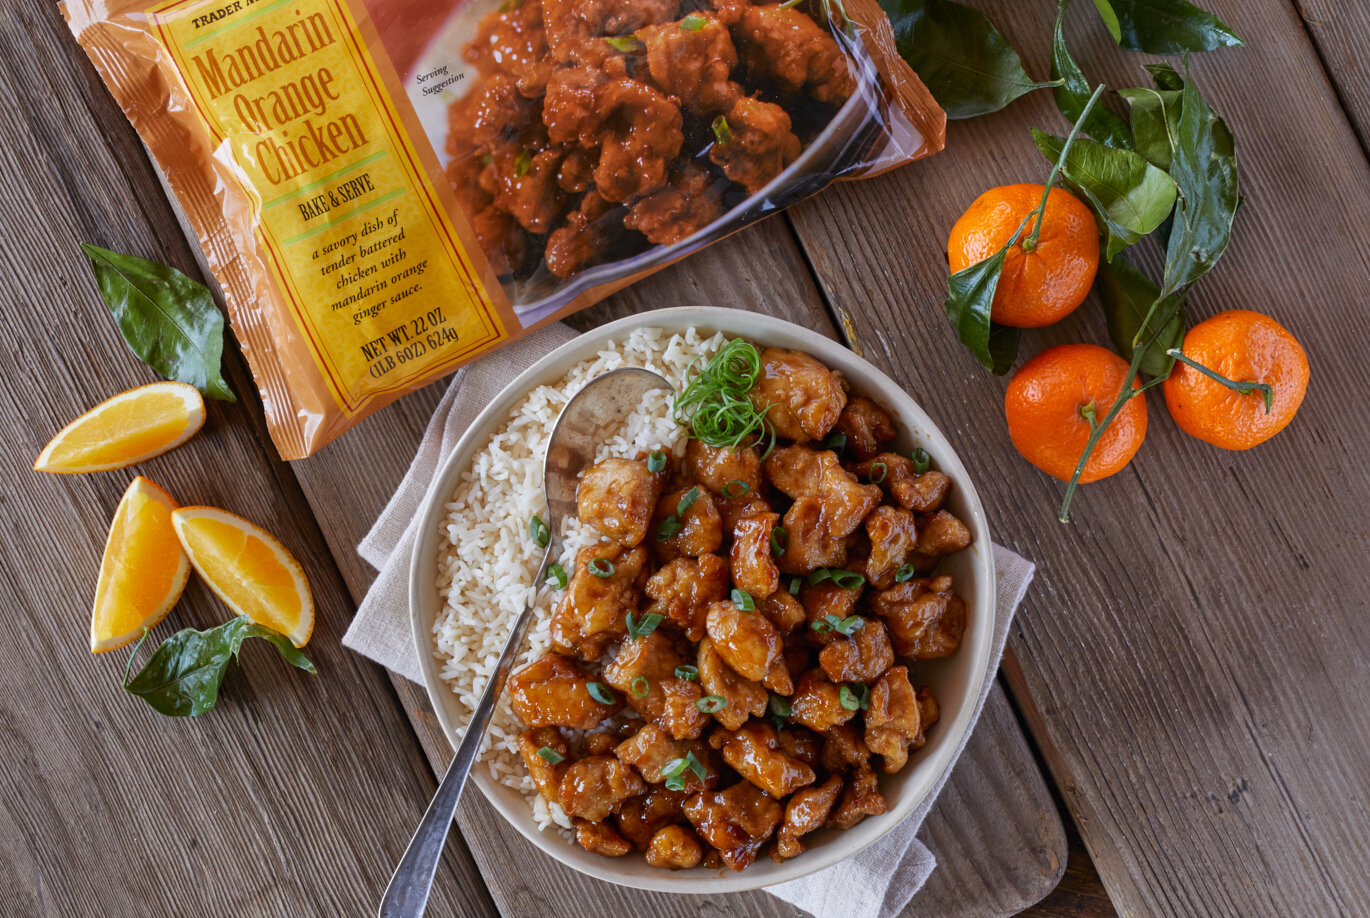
x,y
966,63
169,321
1164,26
1165,76
1204,167
970,296
1129,196
182,677
1155,120
1127,294
1074,92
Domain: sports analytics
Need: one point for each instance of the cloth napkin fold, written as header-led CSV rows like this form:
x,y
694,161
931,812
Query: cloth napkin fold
x,y
876,883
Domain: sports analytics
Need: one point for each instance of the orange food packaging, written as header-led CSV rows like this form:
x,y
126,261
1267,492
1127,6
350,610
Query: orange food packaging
x,y
386,189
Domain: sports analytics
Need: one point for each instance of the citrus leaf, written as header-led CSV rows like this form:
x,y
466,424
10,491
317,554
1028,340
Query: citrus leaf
x,y
1164,26
1127,294
966,63
1129,196
169,321
1075,90
970,296
1155,120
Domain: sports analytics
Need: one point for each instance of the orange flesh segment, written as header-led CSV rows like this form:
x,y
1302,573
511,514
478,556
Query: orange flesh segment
x,y
123,431
143,571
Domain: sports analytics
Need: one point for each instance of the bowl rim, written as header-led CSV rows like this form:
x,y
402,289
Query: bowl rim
x,y
929,773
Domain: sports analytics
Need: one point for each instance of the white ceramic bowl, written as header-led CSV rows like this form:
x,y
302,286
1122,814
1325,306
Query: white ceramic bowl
x,y
956,681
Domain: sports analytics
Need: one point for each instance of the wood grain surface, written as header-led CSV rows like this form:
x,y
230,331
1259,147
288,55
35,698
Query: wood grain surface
x,y
1192,657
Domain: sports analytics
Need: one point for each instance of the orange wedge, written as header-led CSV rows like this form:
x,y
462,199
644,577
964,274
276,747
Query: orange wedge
x,y
143,571
130,427
249,569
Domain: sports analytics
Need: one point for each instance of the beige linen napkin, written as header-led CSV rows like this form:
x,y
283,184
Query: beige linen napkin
x,y
878,882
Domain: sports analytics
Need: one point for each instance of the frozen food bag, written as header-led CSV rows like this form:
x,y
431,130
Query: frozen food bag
x,y
385,189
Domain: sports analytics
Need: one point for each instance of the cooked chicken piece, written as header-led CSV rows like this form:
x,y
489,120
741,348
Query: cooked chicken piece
x,y
730,11
778,677
593,787
810,544
925,618
802,472
682,591
585,236
693,60
742,697
816,703
666,699
806,811
697,531
552,692
824,602
571,24
892,531
923,493
526,184
892,719
604,588
618,498
691,199
744,639
799,656
717,468
496,116
754,752
753,143
545,775
599,743
928,714
844,749
577,171
783,610
867,427
601,838
651,749
642,137
941,534
736,821
735,509
754,569
570,108
860,799
639,818
859,658
799,54
674,848
501,238
800,743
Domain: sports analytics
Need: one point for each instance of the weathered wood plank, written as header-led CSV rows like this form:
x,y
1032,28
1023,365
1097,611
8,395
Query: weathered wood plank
x,y
1340,32
292,795
1192,651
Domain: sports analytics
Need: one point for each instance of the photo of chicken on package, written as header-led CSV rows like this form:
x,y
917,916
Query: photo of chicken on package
x,y
386,189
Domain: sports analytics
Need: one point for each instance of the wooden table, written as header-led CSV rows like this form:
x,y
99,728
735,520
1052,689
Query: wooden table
x,y
1186,680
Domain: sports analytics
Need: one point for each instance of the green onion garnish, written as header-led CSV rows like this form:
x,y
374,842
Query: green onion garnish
x,y
641,687
625,43
847,580
905,573
780,706
711,703
878,472
836,442
644,626
921,460
675,768
600,692
600,567
551,756
557,574
694,22
687,672
723,132
780,540
674,771
743,600
715,405
848,699
822,626
730,492
656,461
790,4
795,584
687,501
509,6
523,163
863,695
539,531
668,528
848,626
695,765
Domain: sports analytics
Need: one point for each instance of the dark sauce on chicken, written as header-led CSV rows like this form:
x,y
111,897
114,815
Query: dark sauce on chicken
x,y
745,640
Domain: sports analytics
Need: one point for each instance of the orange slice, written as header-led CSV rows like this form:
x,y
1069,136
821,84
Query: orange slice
x,y
249,569
128,428
143,571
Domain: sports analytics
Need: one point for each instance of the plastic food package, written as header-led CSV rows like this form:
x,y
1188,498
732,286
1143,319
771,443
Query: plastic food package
x,y
385,189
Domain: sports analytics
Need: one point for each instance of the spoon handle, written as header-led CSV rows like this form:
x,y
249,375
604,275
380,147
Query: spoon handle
x,y
407,894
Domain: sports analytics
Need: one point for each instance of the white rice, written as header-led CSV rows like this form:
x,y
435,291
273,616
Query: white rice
x,y
487,561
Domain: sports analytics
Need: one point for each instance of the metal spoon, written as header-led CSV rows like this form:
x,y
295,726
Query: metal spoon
x,y
593,415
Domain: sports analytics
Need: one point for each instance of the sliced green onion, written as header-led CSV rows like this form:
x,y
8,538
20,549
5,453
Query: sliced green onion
x,y
836,442
557,574
687,672
848,626
711,703
694,22
675,782
905,573
600,692
790,4
743,600
822,626
921,460
656,461
625,43
848,699
848,580
644,626
795,584
687,501
780,540
780,706
668,528
538,530
641,687
600,567
695,766
741,490
486,159
863,695
716,405
723,133
551,756
509,6
818,575
523,163
675,768
882,470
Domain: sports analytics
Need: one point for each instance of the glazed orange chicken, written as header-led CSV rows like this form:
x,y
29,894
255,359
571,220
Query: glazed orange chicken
x,y
598,128
736,660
